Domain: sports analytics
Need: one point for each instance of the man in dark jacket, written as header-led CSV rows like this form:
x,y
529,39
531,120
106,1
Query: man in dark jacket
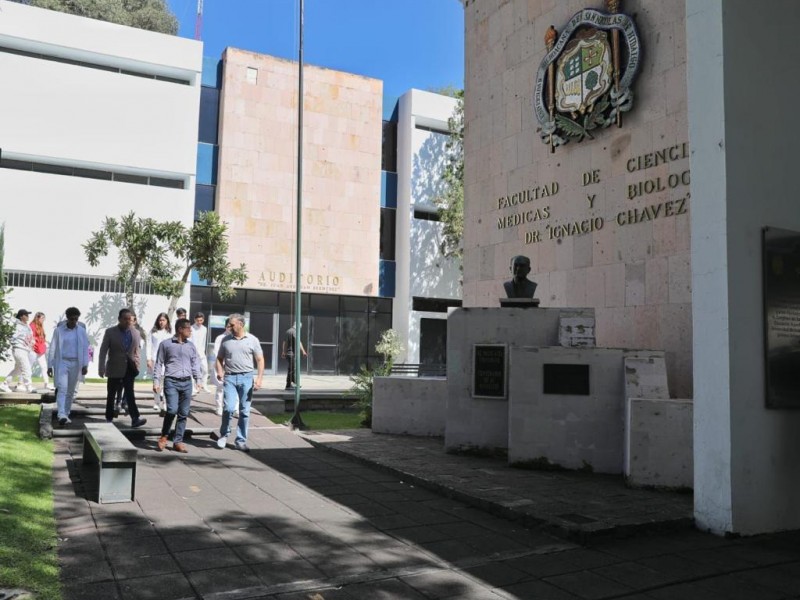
x,y
119,360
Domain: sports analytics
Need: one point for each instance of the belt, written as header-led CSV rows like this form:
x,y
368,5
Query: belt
x,y
177,378
238,373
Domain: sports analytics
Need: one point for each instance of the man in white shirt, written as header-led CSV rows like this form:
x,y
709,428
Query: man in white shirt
x,y
67,361
199,339
21,348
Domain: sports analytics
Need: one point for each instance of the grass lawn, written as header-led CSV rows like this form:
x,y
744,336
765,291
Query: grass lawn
x,y
323,420
27,526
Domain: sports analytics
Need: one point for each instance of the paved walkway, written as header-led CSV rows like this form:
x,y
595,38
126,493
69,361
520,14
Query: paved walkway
x,y
289,521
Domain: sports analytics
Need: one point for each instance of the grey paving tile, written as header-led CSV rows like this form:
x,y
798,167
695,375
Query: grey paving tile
x,y
224,579
558,563
452,550
247,535
207,558
106,590
196,540
287,571
266,553
131,567
539,590
389,589
85,571
636,576
496,574
173,586
784,578
735,587
589,585
444,584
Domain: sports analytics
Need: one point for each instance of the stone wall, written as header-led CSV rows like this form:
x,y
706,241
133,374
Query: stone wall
x,y
257,181
632,263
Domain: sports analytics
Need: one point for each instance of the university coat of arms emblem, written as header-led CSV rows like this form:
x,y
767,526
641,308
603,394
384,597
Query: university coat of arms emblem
x,y
584,81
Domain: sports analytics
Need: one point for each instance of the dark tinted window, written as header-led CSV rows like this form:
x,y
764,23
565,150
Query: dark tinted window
x,y
203,198
388,217
389,148
209,115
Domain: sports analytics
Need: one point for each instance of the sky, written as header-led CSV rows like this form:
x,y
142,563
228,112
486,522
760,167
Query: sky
x,y
406,43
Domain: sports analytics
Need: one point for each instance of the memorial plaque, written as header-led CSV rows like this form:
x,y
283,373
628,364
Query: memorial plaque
x,y
565,379
489,371
781,252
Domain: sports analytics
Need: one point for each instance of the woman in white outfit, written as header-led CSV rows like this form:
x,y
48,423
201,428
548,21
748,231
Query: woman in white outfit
x,y
161,331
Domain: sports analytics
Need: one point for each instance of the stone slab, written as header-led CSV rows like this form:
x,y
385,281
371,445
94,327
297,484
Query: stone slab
x,y
409,405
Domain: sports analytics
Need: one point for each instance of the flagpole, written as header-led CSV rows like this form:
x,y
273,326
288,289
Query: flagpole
x,y
297,420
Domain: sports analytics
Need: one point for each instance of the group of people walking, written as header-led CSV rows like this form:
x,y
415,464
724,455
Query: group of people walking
x,y
29,348
176,359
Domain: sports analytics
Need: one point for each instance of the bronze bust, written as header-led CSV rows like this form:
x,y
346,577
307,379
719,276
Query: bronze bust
x,y
520,286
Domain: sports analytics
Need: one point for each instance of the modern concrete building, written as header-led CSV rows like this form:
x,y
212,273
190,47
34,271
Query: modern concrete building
x,y
96,120
370,166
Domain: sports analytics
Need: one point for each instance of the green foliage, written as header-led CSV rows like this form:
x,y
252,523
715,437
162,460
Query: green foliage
x,y
144,251
362,390
153,15
450,203
6,323
158,252
204,248
390,347
27,526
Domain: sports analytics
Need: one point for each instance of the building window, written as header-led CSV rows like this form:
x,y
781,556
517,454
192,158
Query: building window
x,y
389,147
426,215
204,198
252,75
439,305
209,115
388,217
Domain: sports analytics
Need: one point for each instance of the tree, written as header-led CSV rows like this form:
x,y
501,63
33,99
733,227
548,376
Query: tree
x,y
450,203
204,248
152,15
144,251
6,325
390,347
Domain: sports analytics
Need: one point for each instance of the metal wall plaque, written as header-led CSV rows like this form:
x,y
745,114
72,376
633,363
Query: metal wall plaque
x,y
489,371
566,379
781,253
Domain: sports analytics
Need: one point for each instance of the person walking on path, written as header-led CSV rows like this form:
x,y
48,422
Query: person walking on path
x,y
162,330
179,363
68,360
287,352
119,357
200,339
237,355
218,396
21,347
40,348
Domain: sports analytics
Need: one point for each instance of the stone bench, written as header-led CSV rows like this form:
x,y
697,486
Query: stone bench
x,y
115,457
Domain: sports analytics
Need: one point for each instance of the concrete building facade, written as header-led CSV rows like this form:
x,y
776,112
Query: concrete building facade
x,y
96,120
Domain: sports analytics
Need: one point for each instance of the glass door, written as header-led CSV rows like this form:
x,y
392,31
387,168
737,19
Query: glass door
x,y
264,325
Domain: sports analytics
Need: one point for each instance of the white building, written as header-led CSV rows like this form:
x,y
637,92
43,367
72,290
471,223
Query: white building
x,y
96,120
427,284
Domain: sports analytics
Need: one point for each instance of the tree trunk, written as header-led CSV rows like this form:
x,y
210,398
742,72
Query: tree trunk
x,y
173,302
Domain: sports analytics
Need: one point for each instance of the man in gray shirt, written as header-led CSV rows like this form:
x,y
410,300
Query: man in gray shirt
x,y
176,364
238,353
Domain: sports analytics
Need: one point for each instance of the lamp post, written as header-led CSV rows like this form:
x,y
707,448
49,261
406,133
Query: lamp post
x,y
297,419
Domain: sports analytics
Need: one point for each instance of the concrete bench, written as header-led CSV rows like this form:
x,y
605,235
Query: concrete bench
x,y
115,457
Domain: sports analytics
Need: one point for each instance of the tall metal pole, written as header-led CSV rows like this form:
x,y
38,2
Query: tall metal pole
x,y
297,420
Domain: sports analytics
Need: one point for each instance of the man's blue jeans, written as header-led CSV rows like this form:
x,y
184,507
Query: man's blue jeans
x,y
238,392
178,393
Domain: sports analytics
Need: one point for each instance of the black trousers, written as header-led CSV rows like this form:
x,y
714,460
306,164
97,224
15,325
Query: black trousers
x,y
113,385
289,370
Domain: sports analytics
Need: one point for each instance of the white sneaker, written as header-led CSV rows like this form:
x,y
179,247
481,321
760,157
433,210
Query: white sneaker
x,y
156,406
221,442
51,387
29,389
236,414
4,388
219,412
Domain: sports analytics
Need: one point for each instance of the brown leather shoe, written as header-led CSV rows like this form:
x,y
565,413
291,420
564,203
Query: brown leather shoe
x,y
180,447
162,443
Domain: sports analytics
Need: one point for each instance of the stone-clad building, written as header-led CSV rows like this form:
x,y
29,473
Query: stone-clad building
x,y
663,225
